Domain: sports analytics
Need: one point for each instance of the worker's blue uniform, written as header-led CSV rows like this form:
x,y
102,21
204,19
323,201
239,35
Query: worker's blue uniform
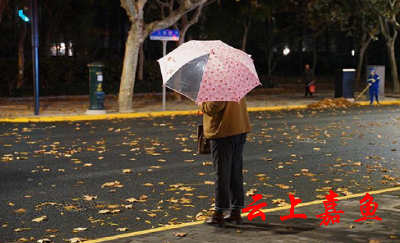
x,y
374,88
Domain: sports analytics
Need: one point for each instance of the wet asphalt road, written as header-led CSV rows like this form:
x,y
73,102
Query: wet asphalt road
x,y
47,168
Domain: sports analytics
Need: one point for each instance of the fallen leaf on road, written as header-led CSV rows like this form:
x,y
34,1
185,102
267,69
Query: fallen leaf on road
x,y
76,240
122,229
112,184
21,210
40,219
26,240
89,198
106,211
76,230
185,200
127,171
200,217
131,200
46,240
281,202
180,234
186,188
251,192
22,229
283,186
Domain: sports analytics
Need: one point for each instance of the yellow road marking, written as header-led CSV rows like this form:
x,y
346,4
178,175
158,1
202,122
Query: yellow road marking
x,y
157,114
169,227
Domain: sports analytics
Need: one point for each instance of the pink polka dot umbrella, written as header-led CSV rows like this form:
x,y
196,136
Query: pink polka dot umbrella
x,y
209,71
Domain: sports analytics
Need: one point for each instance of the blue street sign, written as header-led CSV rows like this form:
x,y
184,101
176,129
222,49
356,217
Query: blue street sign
x,y
23,16
165,35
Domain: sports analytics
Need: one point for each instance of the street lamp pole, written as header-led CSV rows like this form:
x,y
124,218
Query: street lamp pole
x,y
35,54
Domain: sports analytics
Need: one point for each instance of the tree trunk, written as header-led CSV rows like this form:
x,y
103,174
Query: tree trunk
x,y
269,68
315,53
393,65
359,67
129,69
363,48
21,57
245,34
301,54
139,30
3,6
141,63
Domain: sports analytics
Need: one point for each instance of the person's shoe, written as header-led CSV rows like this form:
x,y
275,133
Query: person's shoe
x,y
217,219
371,103
234,216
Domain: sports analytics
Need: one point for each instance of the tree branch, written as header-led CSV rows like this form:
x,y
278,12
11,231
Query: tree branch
x,y
3,5
195,17
185,6
131,9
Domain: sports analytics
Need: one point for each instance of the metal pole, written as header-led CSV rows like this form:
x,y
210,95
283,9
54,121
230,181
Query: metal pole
x,y
164,43
35,53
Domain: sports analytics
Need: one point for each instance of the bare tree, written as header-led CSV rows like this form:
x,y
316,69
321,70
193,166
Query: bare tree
x,y
3,6
387,12
54,12
138,32
21,55
182,25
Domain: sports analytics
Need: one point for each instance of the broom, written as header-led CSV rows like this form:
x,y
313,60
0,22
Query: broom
x,y
362,92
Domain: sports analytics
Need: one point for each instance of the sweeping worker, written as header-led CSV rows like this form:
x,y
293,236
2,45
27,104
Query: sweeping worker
x,y
373,82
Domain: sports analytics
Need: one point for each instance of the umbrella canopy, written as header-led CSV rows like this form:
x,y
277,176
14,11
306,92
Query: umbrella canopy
x,y
209,71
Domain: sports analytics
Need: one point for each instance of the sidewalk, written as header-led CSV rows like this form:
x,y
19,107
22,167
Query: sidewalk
x,y
77,106
294,230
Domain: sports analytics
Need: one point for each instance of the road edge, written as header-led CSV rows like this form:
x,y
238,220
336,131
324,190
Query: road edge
x,y
156,114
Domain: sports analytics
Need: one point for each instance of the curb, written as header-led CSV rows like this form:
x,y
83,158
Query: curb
x,y
169,227
158,114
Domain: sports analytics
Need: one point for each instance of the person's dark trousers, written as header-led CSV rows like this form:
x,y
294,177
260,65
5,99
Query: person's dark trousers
x,y
373,92
308,91
227,160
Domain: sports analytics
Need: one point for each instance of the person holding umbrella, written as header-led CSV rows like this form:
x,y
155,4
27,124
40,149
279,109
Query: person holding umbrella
x,y
217,77
226,124
373,83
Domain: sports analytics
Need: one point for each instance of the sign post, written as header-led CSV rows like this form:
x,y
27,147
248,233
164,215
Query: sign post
x,y
164,36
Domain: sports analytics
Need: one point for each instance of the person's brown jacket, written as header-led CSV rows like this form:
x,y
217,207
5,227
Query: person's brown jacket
x,y
225,118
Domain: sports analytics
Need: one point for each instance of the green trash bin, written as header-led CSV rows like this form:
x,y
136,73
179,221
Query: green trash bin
x,y
97,96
